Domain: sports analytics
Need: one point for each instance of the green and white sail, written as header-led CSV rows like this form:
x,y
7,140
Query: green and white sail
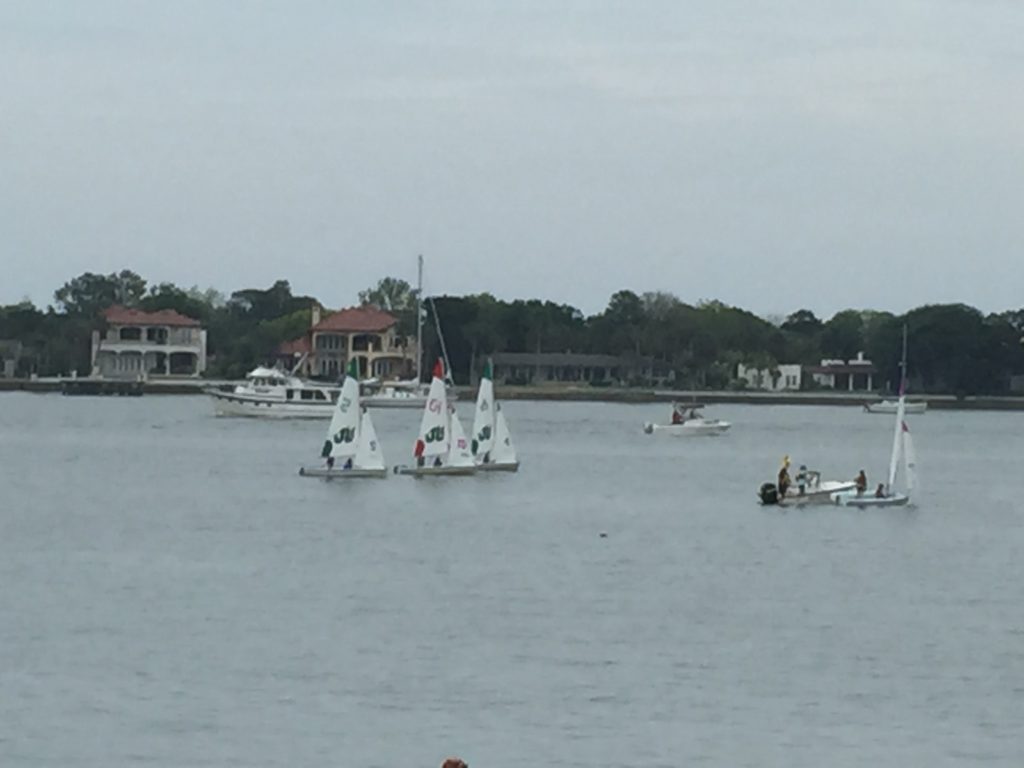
x,y
434,436
343,433
483,419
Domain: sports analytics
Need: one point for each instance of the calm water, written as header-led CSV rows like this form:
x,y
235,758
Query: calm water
x,y
173,594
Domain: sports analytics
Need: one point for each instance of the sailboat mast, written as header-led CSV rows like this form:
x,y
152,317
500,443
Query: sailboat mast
x,y
419,319
900,411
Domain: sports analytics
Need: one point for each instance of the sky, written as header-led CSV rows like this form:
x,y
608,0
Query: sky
x,y
772,155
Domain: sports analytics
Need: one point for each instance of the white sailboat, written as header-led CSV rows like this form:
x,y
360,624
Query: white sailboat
x,y
351,438
492,446
902,448
441,447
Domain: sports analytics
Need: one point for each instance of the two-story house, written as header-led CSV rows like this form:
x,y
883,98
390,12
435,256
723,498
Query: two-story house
x,y
365,334
134,343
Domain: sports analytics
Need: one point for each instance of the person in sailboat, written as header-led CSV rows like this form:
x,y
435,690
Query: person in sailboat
x,y
677,414
862,483
880,491
330,462
348,463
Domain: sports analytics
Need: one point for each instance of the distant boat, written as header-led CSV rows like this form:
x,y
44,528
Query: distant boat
x,y
890,406
902,448
492,446
351,438
687,422
441,447
273,394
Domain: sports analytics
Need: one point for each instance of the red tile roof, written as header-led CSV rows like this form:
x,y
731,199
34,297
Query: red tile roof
x,y
357,320
296,347
118,315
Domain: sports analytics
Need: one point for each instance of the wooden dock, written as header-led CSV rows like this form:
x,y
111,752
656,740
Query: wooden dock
x,y
122,388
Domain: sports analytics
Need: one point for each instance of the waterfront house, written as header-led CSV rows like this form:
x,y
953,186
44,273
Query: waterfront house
x,y
855,375
780,378
545,367
364,334
134,344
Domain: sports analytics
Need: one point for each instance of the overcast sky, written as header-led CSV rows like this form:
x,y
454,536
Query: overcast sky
x,y
773,155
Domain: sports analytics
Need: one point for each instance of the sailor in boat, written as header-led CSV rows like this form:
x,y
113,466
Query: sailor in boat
x,y
677,414
862,483
330,462
880,491
784,481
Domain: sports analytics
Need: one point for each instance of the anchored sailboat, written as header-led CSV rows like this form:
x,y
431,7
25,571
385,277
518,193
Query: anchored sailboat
x,y
492,443
351,438
441,447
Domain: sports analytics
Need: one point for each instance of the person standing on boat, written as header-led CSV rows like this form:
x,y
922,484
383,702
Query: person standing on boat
x,y
330,462
784,482
677,414
862,483
802,479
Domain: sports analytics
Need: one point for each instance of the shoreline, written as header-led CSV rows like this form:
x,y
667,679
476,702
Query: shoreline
x,y
634,396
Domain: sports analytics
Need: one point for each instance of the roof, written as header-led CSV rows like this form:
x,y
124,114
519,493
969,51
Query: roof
x,y
118,315
357,320
296,347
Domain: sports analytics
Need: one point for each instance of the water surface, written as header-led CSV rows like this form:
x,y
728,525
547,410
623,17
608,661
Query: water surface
x,y
173,594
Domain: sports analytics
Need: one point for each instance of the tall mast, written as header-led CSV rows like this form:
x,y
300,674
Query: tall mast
x,y
419,319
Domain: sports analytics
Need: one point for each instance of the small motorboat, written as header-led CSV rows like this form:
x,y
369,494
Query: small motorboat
x,y
687,421
809,488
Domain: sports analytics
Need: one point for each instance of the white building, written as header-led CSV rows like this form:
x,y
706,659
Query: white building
x,y
136,343
781,378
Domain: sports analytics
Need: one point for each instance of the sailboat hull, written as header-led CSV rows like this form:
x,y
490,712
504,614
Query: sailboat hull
x,y
338,474
435,471
510,466
865,501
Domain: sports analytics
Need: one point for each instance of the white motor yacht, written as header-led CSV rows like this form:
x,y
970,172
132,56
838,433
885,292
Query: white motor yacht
x,y
271,393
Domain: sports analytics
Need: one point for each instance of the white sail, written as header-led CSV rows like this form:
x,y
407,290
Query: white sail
x,y
504,452
483,420
909,459
897,442
343,433
368,453
459,453
433,438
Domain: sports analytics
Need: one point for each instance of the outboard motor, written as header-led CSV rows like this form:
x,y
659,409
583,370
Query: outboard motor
x,y
768,494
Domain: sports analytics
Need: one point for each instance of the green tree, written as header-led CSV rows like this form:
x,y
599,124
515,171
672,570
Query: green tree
x,y
90,293
842,337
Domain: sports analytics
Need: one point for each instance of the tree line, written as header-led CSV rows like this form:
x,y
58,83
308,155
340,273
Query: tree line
x,y
954,348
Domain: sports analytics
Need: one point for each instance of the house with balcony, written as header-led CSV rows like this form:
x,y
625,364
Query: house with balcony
x,y
365,334
134,344
855,375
